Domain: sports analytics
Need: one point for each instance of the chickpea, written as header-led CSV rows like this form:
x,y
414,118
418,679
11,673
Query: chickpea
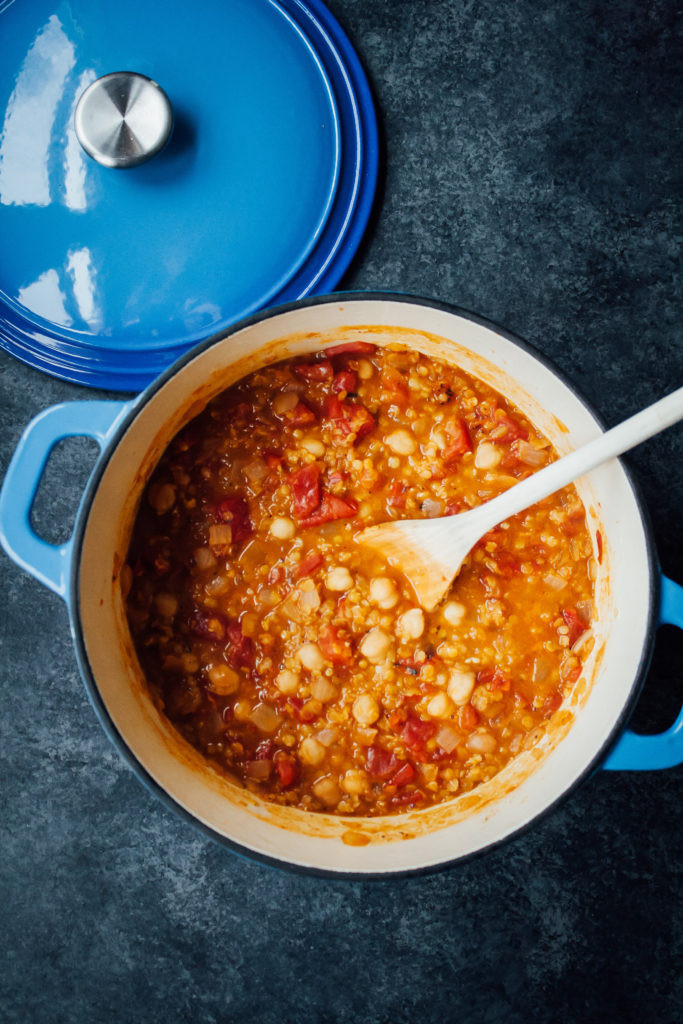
x,y
223,680
365,709
482,743
241,710
383,592
167,605
375,645
411,624
190,663
365,369
314,446
401,442
454,613
282,528
311,751
327,790
339,579
323,690
284,402
487,456
354,782
311,657
460,686
440,706
287,681
162,498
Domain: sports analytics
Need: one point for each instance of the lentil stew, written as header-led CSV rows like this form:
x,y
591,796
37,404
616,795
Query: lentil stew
x,y
298,662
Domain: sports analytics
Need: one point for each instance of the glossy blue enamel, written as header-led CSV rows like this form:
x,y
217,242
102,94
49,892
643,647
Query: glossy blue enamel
x,y
49,563
665,749
261,195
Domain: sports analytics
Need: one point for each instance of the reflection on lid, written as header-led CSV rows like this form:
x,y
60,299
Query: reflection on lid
x,y
74,156
30,118
80,268
46,298
67,299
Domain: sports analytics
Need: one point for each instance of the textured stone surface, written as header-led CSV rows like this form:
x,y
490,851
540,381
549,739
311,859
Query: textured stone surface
x,y
528,174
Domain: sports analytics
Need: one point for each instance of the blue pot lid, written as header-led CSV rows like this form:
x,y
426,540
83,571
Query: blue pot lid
x,y
260,196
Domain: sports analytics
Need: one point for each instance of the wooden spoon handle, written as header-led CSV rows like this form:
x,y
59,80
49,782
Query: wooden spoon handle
x,y
619,439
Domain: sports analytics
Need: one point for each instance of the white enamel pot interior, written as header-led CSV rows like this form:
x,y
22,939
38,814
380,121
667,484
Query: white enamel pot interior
x,y
583,728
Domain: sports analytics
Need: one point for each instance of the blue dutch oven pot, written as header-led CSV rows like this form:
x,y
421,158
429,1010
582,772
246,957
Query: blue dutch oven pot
x,y
632,596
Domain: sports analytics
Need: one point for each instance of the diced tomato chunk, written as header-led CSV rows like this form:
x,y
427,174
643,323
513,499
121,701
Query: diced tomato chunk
x,y
397,494
354,348
311,561
381,763
235,510
306,490
320,370
336,647
494,678
351,419
576,626
417,731
468,718
345,380
404,775
241,651
514,430
301,415
508,564
287,768
395,385
458,440
551,704
336,477
331,508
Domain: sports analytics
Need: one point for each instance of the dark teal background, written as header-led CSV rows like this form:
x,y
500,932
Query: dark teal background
x,y
530,173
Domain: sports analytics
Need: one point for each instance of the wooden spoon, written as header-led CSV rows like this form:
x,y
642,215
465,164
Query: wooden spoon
x,y
430,552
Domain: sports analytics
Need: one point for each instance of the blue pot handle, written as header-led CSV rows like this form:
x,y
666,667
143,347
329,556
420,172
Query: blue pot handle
x,y
665,749
49,563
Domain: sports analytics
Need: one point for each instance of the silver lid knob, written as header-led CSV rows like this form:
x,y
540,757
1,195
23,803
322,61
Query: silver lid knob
x,y
123,119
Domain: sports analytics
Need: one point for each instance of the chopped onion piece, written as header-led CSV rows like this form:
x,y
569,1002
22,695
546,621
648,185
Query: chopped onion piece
x,y
255,471
308,597
259,770
584,609
540,671
529,454
447,738
265,718
432,508
204,558
327,736
554,582
220,536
